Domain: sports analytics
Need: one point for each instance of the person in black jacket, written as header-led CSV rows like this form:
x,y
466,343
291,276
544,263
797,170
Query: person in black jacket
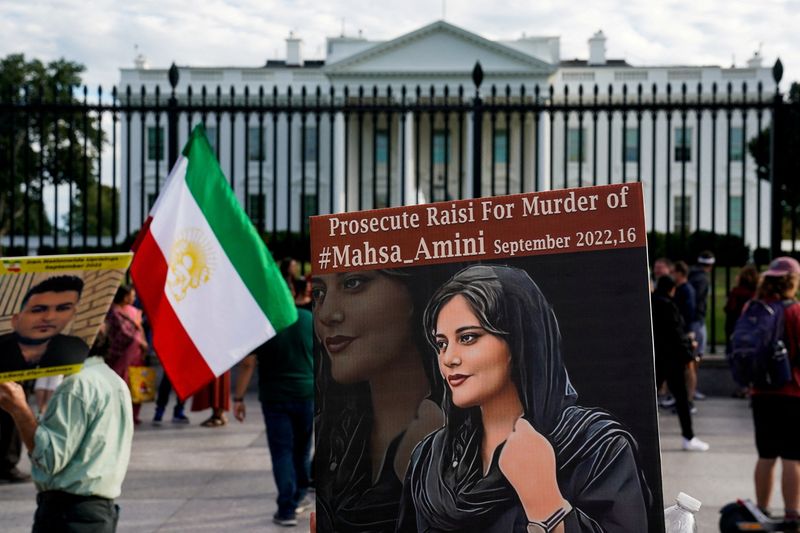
x,y
673,350
699,279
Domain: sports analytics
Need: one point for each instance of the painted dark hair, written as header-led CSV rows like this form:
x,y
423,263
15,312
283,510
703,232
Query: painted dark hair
x,y
508,304
345,420
419,285
55,284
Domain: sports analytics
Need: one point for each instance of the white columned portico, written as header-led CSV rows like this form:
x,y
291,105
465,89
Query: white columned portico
x,y
411,192
337,185
546,180
542,151
468,189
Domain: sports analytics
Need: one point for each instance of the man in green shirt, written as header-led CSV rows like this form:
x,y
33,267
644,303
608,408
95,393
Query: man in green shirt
x,y
286,393
79,451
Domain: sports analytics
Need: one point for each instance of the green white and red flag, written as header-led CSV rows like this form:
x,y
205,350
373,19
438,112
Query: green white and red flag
x,y
206,280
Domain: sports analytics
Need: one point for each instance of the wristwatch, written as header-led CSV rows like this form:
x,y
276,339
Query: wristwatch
x,y
550,523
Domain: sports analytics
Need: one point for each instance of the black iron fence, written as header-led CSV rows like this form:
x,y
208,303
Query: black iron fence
x,y
79,171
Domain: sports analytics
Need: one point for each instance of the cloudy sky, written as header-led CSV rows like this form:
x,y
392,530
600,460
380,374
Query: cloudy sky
x,y
102,34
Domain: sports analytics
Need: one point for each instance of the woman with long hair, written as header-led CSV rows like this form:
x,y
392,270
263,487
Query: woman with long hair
x,y
516,453
378,399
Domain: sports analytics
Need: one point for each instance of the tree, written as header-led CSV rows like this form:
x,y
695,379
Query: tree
x,y
109,226
46,139
788,146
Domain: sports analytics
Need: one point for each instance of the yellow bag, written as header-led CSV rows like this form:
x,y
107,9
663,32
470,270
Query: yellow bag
x,y
142,383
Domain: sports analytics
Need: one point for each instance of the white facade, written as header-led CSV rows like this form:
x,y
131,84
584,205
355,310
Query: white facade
x,y
441,55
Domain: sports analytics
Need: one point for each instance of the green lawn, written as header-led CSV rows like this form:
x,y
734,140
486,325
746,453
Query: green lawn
x,y
722,283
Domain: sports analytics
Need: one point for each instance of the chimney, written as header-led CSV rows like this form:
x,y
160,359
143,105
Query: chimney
x,y
139,61
597,49
755,61
294,46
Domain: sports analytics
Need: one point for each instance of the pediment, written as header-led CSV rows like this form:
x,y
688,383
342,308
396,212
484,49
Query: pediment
x,y
439,48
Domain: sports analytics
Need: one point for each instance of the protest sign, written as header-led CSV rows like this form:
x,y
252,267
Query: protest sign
x,y
487,364
51,308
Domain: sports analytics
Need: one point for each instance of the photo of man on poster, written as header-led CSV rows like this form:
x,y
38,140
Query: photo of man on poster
x,y
36,340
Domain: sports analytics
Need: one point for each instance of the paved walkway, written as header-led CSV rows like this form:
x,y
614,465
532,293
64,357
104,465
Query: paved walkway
x,y
190,478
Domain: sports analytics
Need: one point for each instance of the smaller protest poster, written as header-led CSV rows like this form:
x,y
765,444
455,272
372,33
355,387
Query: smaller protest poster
x,y
51,308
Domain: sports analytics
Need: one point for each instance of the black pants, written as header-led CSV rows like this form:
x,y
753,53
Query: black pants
x,y
164,388
674,375
10,442
61,512
775,415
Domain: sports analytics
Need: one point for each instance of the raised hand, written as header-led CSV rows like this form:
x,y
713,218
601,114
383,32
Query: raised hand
x,y
529,463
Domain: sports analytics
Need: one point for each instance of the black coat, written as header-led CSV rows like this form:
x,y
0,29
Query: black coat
x,y
673,347
598,472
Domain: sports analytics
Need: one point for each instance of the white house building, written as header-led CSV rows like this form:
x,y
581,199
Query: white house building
x,y
339,162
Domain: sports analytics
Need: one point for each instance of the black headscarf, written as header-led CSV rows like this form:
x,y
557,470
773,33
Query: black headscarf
x,y
446,481
511,306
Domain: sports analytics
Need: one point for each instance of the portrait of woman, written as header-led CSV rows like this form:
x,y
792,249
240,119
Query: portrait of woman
x,y
516,453
376,397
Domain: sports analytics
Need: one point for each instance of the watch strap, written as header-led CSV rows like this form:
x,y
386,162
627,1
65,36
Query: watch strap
x,y
549,524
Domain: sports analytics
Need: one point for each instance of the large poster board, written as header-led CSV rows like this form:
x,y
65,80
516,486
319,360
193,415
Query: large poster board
x,y
486,363
51,308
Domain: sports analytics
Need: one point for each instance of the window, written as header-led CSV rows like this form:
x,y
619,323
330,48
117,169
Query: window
x,y
256,151
310,154
381,147
500,147
155,143
737,150
682,213
441,152
576,145
735,206
683,144
631,145
310,209
256,204
151,200
211,133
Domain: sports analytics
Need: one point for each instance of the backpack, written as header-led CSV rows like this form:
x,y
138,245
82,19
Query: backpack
x,y
757,354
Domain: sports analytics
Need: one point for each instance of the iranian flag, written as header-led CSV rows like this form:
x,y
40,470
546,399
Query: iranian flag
x,y
208,284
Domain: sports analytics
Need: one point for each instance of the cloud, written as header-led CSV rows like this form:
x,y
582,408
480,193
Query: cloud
x,y
102,34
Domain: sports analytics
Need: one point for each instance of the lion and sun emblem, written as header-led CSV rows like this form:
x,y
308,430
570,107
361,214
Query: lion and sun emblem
x,y
191,262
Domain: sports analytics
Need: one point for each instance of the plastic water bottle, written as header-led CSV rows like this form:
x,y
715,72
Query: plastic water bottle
x,y
680,517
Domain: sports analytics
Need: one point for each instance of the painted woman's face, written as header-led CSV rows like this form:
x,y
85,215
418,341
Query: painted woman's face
x,y
475,363
363,321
